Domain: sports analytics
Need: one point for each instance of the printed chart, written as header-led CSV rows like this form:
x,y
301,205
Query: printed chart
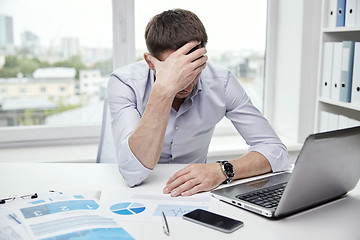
x,y
127,208
92,234
175,210
56,207
148,207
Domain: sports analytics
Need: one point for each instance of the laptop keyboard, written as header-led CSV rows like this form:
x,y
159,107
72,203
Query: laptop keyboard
x,y
268,197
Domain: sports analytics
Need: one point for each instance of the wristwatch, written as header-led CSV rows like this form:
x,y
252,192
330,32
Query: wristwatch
x,y
228,170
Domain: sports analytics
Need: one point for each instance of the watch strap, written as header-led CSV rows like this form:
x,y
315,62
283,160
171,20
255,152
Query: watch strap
x,y
229,174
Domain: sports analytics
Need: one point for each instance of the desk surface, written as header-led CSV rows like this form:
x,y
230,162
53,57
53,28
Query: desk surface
x,y
336,220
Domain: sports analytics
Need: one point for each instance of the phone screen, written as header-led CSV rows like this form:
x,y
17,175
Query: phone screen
x,y
213,220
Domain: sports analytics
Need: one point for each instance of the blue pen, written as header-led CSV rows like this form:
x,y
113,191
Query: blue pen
x,y
13,216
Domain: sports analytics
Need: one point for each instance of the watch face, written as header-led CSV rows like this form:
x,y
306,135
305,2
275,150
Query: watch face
x,y
229,169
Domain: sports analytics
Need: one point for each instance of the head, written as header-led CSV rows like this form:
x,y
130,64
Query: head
x,y
172,29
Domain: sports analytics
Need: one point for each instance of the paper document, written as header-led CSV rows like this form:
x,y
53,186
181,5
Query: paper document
x,y
59,216
124,206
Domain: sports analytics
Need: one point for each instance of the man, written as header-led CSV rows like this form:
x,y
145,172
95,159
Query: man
x,y
164,110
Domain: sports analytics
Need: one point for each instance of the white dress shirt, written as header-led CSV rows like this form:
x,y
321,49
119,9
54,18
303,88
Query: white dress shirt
x,y
189,130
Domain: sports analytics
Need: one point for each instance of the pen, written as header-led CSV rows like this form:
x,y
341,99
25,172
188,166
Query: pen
x,y
5,200
165,225
13,217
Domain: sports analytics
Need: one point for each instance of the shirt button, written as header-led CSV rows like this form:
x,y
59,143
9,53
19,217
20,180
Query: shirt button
x,y
177,128
175,145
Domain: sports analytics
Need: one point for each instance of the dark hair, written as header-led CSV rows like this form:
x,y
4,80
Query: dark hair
x,y
172,29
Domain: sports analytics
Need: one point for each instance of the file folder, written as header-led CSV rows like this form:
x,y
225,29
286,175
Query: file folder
x,y
357,22
333,121
355,93
327,69
331,13
353,122
350,15
345,122
336,71
346,71
340,15
324,121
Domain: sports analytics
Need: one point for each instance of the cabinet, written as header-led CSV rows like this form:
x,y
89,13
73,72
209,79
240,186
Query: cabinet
x,y
331,113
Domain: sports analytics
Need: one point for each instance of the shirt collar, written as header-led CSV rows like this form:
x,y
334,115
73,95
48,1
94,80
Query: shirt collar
x,y
197,89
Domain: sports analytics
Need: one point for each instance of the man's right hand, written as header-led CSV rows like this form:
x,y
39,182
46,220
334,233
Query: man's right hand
x,y
178,69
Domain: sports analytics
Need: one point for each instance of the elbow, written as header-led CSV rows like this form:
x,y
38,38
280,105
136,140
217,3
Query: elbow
x,y
132,179
131,169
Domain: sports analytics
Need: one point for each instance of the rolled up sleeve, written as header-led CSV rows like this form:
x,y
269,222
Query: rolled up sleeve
x,y
130,167
276,154
124,119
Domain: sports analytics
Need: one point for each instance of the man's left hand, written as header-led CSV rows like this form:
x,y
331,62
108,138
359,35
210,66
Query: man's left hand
x,y
195,178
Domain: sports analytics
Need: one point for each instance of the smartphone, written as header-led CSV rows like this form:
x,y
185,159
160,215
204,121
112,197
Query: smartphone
x,y
213,220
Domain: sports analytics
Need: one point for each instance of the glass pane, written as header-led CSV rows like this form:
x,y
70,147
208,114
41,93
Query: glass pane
x,y
236,31
55,59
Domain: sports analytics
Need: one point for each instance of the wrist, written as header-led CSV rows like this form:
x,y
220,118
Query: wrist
x,y
222,176
228,171
164,92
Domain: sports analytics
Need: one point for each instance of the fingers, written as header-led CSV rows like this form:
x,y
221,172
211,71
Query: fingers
x,y
197,54
177,179
184,186
193,179
191,54
188,46
200,62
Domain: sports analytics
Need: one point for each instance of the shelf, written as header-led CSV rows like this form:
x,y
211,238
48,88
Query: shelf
x,y
341,29
339,104
341,34
327,105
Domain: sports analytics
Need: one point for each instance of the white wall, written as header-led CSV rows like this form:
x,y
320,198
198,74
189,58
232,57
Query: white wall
x,y
287,67
292,63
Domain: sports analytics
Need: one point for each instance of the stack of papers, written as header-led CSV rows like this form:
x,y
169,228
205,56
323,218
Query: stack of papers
x,y
57,216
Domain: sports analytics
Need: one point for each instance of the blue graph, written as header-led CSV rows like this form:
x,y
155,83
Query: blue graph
x,y
55,207
127,208
94,234
175,210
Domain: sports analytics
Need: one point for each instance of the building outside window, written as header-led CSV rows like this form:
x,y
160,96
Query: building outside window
x,y
44,45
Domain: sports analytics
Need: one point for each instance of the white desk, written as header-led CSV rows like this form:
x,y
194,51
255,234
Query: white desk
x,y
336,220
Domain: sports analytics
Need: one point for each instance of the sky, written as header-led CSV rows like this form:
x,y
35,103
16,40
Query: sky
x,y
230,24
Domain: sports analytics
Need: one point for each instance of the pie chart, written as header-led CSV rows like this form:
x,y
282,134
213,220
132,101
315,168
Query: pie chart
x,y
127,208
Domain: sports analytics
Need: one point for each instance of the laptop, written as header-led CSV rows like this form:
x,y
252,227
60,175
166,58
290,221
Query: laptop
x,y
328,166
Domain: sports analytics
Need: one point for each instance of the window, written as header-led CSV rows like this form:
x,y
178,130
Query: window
x,y
62,89
44,45
43,90
22,90
62,38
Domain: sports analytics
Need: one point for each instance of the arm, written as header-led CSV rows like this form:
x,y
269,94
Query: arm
x,y
172,75
204,177
266,152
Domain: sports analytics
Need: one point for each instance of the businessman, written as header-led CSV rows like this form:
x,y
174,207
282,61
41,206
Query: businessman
x,y
164,110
